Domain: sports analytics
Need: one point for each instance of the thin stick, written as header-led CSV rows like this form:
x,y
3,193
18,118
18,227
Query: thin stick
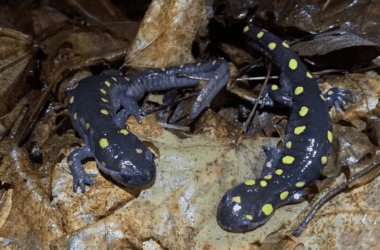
x,y
254,107
330,194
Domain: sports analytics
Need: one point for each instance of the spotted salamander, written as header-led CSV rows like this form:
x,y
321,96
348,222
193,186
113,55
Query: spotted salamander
x,y
94,112
307,142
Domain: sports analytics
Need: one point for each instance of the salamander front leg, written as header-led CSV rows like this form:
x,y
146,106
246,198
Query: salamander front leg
x,y
296,197
336,97
273,156
79,175
272,93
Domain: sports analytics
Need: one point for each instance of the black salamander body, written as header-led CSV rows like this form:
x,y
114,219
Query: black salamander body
x,y
307,142
93,106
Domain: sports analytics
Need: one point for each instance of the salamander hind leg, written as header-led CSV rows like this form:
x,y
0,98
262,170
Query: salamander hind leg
x,y
218,78
130,107
296,197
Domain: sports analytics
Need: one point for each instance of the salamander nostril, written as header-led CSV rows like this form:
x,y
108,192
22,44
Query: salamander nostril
x,y
244,223
224,198
147,173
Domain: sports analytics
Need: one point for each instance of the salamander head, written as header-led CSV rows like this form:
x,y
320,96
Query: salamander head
x,y
127,161
136,173
245,207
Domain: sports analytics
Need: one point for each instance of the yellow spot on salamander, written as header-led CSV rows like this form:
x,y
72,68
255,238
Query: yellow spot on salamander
x,y
163,69
250,182
260,34
107,83
75,116
300,184
285,45
309,75
288,159
104,99
324,159
123,166
272,46
269,164
289,144
181,66
274,87
87,125
103,91
199,64
298,90
284,195
139,151
293,64
104,112
127,78
303,111
213,63
330,92
124,132
299,130
246,28
268,177
103,142
267,209
329,136
263,183
236,199
71,100
322,97
249,217
279,172
114,79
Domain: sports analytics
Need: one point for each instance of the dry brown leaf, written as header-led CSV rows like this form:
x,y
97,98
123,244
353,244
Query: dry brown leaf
x,y
32,221
16,53
166,34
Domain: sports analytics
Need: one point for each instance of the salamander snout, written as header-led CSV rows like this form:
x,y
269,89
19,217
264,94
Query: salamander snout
x,y
241,209
131,176
228,215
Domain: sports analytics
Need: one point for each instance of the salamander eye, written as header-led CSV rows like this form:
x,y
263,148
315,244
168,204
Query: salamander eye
x,y
149,155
